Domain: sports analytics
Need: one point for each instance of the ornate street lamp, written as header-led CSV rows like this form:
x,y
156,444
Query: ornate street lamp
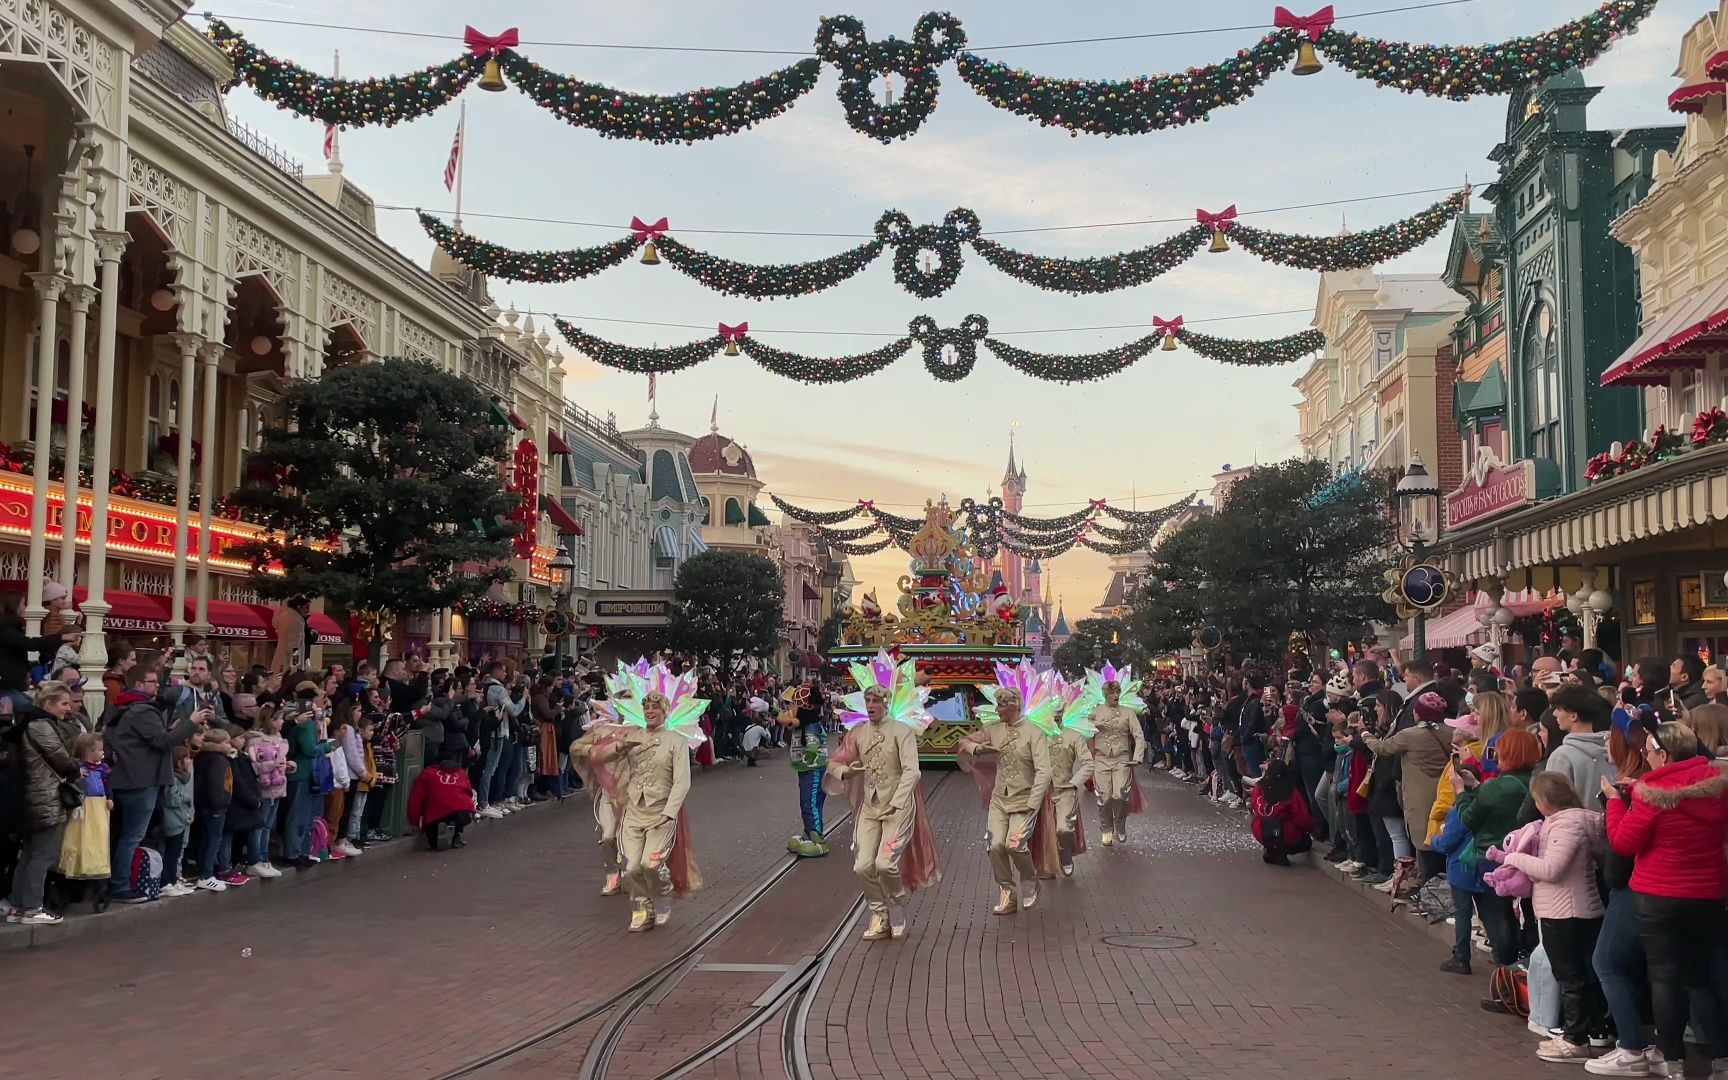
x,y
1422,586
562,568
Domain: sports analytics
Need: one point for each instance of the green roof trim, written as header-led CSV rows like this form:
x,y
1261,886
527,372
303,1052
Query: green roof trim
x,y
757,518
1484,399
734,512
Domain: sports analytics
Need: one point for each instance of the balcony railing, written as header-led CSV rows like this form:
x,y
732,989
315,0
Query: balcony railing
x,y
274,155
605,430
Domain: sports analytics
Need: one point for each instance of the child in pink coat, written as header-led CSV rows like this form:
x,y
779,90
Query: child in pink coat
x,y
1570,910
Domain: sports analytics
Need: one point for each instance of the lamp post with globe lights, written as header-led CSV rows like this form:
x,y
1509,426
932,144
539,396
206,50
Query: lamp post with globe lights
x,y
563,568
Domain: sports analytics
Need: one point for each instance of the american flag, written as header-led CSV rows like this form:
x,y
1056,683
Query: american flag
x,y
329,141
454,164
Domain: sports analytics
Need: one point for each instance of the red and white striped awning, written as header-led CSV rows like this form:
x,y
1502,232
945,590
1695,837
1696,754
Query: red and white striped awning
x,y
1679,340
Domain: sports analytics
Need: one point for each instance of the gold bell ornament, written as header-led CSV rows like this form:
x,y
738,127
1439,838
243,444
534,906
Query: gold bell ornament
x,y
489,46
731,348
732,334
1307,60
1169,328
1169,343
492,79
648,233
1219,242
650,254
1311,29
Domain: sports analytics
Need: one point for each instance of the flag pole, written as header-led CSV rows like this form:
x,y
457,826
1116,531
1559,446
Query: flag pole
x,y
334,157
461,158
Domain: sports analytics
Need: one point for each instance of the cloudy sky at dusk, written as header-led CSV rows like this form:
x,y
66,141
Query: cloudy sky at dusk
x,y
1156,432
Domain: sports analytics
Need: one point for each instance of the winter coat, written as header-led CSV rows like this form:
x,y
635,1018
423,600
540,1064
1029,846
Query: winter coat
x,y
246,812
1423,751
1382,782
46,751
269,754
1463,870
304,745
177,802
1565,871
1356,761
1509,880
432,723
438,792
354,755
1582,758
213,780
1491,810
1444,796
1293,812
16,650
410,695
139,742
1674,827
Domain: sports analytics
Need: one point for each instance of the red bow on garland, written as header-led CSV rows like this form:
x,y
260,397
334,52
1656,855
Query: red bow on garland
x,y
1218,222
733,333
645,232
1315,25
866,505
490,44
1099,504
1173,326
1705,426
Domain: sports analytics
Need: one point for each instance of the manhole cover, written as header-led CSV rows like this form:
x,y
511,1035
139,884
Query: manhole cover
x,y
1148,941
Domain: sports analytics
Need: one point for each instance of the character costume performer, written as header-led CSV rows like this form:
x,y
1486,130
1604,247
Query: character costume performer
x,y
1071,770
1010,759
1117,747
608,804
645,757
807,745
876,769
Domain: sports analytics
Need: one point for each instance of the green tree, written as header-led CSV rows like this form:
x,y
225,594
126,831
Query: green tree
x,y
727,603
1096,642
382,491
1295,548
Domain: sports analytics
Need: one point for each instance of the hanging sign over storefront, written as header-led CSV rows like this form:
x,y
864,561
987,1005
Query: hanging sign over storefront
x,y
1492,487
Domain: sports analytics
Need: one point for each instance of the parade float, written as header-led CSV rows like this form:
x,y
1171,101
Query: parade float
x,y
949,621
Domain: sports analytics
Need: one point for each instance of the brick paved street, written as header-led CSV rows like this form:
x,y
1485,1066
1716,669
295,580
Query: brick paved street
x,y
419,964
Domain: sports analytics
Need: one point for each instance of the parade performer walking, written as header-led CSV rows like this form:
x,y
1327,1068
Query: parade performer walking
x,y
1070,770
659,727
807,750
1117,747
876,769
605,786
1010,758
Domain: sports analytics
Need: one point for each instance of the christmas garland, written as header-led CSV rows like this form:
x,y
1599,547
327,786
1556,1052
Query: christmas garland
x,y
818,370
1160,515
847,536
1094,106
816,517
543,266
949,353
1459,72
1659,446
488,609
861,549
343,102
1099,274
1282,350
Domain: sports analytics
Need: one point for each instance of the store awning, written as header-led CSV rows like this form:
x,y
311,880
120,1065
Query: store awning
x,y
326,629
231,620
560,518
1679,340
1693,98
555,443
810,594
734,512
666,542
128,612
695,542
1464,628
758,519
517,422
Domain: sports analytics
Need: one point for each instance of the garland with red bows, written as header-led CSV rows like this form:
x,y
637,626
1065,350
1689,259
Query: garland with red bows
x,y
1094,106
893,229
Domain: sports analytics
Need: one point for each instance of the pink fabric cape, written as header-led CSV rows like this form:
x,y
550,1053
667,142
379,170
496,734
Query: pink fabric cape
x,y
705,752
918,863
607,773
1046,854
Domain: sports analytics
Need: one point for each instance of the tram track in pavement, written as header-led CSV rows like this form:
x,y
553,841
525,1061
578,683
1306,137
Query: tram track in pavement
x,y
788,999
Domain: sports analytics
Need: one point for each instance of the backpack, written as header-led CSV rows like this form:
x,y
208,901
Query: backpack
x,y
1511,988
320,837
146,875
323,776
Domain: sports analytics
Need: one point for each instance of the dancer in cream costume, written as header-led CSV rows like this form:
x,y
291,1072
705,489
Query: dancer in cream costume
x,y
1117,748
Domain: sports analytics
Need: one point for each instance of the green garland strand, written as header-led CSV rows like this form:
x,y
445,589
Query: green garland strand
x,y
1128,106
636,360
1465,71
1073,369
818,370
861,549
343,102
1282,350
815,517
1142,517
1353,251
768,282
1100,274
508,264
661,118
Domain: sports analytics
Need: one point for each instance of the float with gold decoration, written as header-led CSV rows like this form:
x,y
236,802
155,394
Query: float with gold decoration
x,y
948,622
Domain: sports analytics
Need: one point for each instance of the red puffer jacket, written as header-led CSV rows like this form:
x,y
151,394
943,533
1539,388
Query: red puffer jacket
x,y
439,792
1675,828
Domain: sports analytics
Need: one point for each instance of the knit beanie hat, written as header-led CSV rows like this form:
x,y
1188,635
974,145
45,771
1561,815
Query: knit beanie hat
x,y
1430,708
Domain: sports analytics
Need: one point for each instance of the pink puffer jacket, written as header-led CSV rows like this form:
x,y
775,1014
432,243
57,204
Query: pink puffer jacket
x,y
1565,871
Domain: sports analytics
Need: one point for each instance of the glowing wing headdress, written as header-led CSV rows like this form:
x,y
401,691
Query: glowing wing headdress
x,y
683,708
905,696
1077,706
617,687
1041,702
1123,677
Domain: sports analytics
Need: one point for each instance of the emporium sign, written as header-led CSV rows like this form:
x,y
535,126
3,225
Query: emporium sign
x,y
632,609
1493,487
132,527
